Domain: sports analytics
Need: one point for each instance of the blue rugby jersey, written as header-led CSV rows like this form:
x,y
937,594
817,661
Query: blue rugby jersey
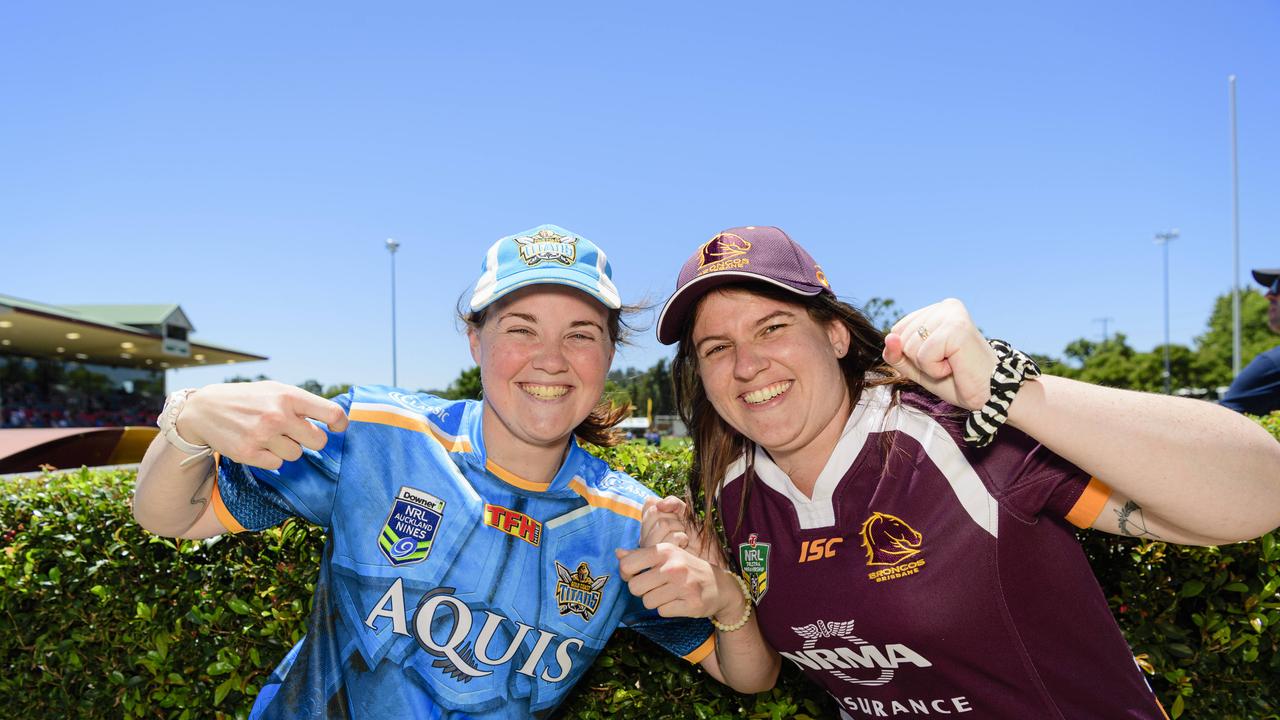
x,y
449,587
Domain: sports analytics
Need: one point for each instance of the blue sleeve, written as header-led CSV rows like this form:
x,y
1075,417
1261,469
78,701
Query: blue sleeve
x,y
255,499
688,638
1257,388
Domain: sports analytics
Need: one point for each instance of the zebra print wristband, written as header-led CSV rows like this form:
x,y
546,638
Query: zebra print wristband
x,y
1012,369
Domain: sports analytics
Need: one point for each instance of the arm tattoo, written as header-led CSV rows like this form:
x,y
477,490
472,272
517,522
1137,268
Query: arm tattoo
x,y
200,498
1132,522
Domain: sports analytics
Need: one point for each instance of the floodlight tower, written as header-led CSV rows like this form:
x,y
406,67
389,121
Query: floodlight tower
x,y
1163,239
392,246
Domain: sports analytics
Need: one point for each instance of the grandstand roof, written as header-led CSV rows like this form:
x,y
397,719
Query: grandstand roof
x,y
137,315
120,335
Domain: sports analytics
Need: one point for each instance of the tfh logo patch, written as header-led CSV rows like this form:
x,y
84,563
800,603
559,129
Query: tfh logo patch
x,y
411,526
753,558
513,523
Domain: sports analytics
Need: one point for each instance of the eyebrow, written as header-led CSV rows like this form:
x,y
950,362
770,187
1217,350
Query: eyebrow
x,y
534,321
762,321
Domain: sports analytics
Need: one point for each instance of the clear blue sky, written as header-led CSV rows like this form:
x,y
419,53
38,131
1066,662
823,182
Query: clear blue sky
x,y
247,160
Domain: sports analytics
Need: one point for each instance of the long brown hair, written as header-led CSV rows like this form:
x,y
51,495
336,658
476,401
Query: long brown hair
x,y
600,426
716,445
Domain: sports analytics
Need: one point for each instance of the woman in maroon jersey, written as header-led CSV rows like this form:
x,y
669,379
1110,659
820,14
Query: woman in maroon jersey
x,y
900,509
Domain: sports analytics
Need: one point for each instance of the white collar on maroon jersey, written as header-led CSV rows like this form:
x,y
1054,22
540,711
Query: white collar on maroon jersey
x,y
817,511
874,413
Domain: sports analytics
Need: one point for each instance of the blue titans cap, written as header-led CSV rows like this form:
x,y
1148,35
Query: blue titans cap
x,y
545,254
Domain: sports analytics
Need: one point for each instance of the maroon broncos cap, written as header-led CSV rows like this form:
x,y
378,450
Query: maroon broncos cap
x,y
735,255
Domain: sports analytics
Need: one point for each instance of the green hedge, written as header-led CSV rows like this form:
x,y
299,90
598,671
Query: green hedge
x,y
104,620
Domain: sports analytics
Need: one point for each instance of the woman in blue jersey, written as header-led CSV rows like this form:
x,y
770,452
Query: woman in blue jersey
x,y
901,508
470,569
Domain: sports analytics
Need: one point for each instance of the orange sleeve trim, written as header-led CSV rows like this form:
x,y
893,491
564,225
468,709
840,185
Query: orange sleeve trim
x,y
224,515
703,650
1089,506
603,501
451,444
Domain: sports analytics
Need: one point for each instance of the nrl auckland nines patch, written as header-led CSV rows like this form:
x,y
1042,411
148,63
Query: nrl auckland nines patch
x,y
411,526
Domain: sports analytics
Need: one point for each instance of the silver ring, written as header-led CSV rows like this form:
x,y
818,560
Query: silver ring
x,y
923,332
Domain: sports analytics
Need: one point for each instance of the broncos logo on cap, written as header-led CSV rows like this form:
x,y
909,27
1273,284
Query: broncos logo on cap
x,y
724,245
889,540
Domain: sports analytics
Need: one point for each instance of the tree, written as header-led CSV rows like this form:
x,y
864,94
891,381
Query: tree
x,y
1208,365
465,387
242,378
335,390
882,312
1213,348
312,387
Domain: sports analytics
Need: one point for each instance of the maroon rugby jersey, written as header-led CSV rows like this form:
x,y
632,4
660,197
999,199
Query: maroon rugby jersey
x,y
949,583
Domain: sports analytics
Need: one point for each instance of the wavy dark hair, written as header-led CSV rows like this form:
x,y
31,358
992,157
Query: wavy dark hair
x,y
600,426
716,445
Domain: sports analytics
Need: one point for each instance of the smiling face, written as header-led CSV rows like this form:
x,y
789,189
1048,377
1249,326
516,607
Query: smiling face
x,y
772,372
543,354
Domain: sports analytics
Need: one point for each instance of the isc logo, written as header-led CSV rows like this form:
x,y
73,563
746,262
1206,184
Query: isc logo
x,y
818,549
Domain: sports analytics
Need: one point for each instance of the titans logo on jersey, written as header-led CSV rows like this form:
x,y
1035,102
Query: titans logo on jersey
x,y
449,587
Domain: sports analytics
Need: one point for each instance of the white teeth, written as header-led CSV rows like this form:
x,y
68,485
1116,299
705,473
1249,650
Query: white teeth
x,y
755,397
545,392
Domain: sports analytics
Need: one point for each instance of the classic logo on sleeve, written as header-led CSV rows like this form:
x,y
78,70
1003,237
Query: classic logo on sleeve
x,y
411,526
890,542
577,592
753,558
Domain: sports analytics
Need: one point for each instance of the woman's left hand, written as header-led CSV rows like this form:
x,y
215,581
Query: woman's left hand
x,y
940,348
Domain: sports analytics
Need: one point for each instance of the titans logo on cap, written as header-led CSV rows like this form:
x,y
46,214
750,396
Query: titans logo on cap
x,y
547,246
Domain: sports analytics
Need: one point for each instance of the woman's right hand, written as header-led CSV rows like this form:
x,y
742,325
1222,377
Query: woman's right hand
x,y
263,424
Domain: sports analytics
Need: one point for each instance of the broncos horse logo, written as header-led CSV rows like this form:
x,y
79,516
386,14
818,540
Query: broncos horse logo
x,y
722,246
889,540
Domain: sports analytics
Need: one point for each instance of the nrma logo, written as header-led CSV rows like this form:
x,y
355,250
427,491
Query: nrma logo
x,y
848,656
463,657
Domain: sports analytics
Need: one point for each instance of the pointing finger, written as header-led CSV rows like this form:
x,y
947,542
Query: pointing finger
x,y
313,406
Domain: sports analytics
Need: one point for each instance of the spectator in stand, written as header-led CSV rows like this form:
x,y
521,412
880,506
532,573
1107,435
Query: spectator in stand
x,y
1256,389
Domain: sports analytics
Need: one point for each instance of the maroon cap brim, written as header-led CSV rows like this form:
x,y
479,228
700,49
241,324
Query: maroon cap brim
x,y
675,313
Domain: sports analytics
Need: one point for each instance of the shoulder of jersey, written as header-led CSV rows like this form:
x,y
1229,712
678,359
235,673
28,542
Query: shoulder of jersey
x,y
443,419
602,480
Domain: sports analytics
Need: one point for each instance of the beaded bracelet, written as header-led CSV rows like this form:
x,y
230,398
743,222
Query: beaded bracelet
x,y
746,595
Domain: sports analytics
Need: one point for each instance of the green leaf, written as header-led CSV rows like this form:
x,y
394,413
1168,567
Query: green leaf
x,y
239,606
1191,588
223,688
1175,712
